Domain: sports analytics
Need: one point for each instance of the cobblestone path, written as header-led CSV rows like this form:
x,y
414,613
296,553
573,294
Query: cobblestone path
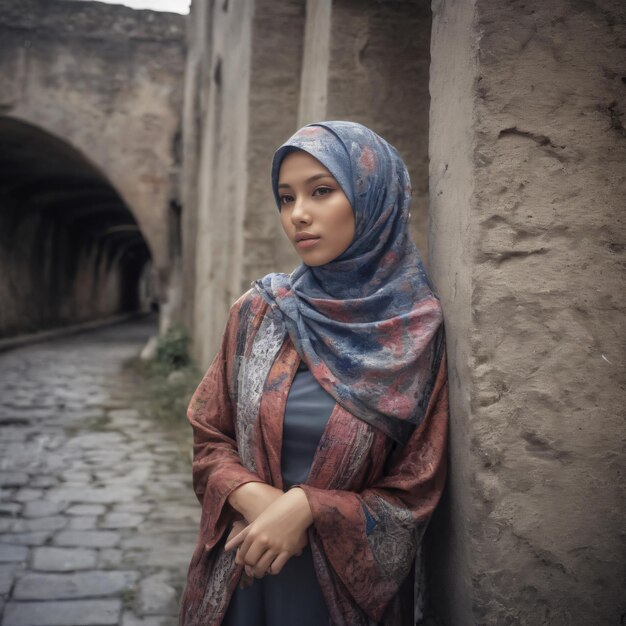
x,y
97,515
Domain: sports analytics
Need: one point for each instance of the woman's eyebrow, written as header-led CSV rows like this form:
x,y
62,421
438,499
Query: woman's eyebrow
x,y
308,180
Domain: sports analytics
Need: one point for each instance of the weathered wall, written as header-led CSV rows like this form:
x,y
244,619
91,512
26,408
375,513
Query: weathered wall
x,y
526,172
108,80
223,175
451,146
315,62
77,283
246,110
70,249
194,114
281,66
527,188
278,31
378,75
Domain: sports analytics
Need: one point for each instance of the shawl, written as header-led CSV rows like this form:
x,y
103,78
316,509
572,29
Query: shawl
x,y
370,498
367,324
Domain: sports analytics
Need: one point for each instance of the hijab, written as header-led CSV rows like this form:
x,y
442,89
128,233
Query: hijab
x,y
367,323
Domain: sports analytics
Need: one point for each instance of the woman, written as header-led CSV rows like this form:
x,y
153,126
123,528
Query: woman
x,y
320,427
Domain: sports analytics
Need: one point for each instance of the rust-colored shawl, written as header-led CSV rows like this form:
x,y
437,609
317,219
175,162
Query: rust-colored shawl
x,y
371,499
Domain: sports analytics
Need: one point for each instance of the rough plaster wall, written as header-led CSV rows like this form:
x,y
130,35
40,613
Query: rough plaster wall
x,y
108,80
452,75
47,276
197,75
223,176
277,34
314,83
543,249
378,75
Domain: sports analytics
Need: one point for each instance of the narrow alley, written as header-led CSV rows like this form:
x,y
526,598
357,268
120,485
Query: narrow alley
x,y
97,515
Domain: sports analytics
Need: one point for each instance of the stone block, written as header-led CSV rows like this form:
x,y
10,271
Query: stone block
x,y
67,613
43,508
63,559
87,538
99,441
121,520
44,481
26,539
110,558
82,522
86,509
34,586
13,479
54,522
126,415
94,495
7,576
12,554
130,619
28,495
133,507
10,508
7,524
157,596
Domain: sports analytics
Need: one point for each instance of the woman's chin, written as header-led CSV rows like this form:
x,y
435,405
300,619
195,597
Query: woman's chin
x,y
313,260
310,257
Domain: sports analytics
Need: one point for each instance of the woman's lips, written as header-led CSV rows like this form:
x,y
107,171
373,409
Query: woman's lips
x,y
307,243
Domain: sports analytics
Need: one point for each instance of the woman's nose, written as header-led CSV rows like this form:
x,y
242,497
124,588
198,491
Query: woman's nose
x,y
300,212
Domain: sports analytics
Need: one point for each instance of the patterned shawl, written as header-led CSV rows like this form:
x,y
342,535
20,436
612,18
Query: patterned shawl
x,y
371,500
367,324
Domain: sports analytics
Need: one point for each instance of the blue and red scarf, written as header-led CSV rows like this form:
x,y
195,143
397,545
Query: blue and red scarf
x,y
367,324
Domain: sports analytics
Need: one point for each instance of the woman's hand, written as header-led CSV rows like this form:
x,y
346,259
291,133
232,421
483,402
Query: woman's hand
x,y
238,526
251,499
275,536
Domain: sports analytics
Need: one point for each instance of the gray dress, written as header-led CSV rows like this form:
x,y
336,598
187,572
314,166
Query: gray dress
x,y
293,596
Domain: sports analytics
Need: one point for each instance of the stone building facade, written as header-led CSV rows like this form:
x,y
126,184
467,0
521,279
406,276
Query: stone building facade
x,y
510,118
527,188
90,113
253,77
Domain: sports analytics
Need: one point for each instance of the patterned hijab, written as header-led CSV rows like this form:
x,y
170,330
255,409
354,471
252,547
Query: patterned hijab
x,y
367,324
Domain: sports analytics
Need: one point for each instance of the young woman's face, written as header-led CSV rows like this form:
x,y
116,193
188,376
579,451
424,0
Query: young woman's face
x,y
315,213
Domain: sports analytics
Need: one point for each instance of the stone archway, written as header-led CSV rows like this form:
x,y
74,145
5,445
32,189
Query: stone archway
x,y
70,248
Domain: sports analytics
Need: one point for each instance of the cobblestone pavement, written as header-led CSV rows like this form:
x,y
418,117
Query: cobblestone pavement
x,y
97,515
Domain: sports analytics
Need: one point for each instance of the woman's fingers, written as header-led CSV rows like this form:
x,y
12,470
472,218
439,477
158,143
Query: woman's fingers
x,y
238,526
237,540
279,563
282,527
263,564
252,549
244,546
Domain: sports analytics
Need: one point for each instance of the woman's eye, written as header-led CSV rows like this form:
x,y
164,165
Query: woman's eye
x,y
325,191
285,199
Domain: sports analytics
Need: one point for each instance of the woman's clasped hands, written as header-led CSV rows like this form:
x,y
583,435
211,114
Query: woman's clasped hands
x,y
275,534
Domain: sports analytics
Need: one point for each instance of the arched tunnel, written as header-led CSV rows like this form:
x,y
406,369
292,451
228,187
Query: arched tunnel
x,y
70,248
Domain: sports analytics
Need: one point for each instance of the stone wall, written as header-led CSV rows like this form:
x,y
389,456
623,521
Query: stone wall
x,y
107,80
378,76
280,67
47,278
451,145
274,91
521,105
527,238
194,113
246,61
70,250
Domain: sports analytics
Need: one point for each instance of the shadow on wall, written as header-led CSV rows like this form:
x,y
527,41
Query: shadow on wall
x,y
70,249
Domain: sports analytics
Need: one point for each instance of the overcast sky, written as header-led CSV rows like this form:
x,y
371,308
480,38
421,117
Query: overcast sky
x,y
176,6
